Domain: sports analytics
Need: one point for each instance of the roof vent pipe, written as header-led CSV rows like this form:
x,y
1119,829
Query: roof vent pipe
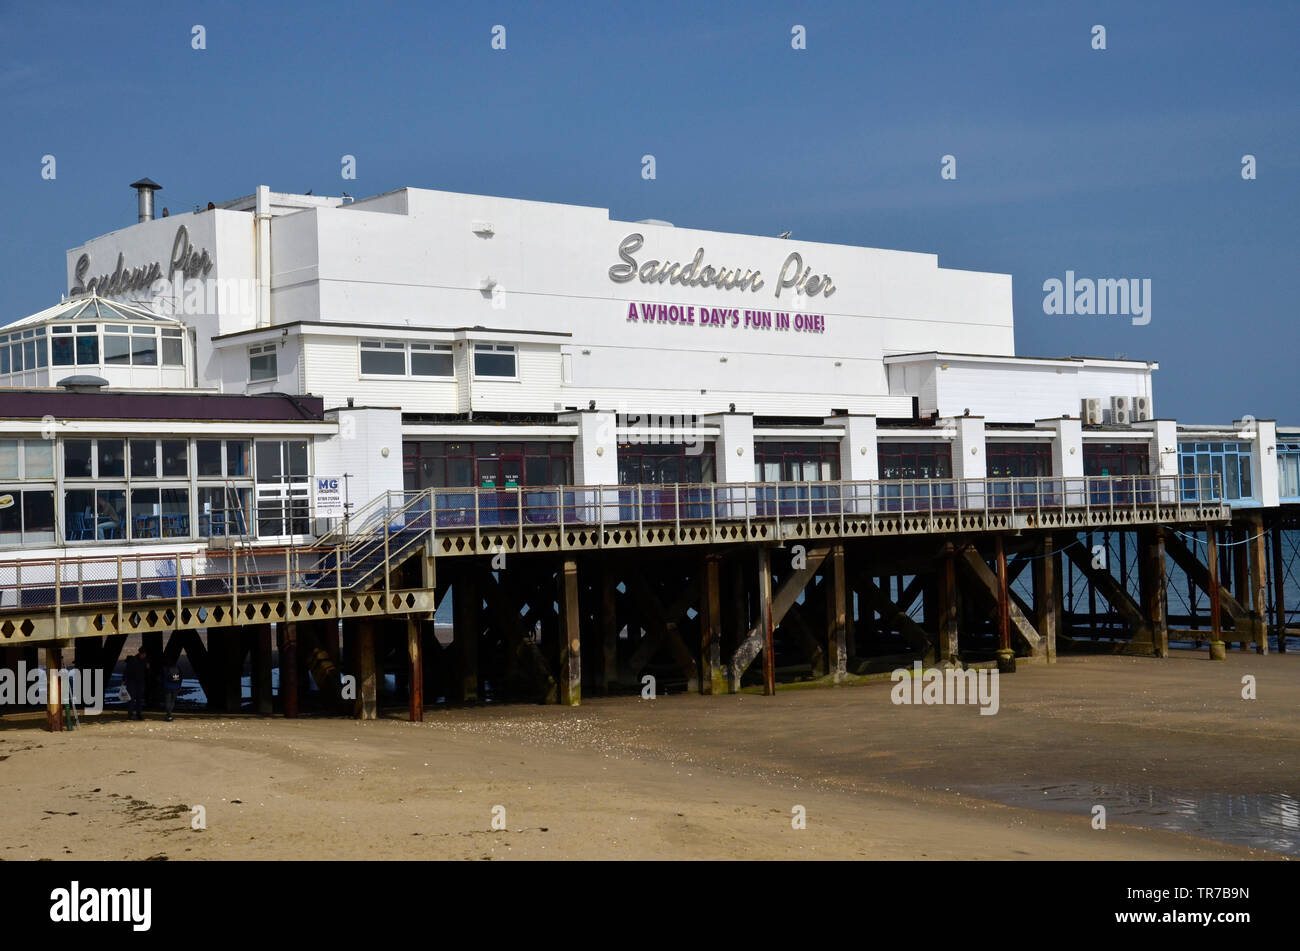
x,y
144,190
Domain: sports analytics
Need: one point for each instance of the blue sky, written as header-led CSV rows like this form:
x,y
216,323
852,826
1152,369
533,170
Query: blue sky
x,y
1122,163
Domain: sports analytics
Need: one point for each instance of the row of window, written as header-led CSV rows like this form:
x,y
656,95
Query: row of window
x,y
402,358
136,513
129,489
1228,460
70,345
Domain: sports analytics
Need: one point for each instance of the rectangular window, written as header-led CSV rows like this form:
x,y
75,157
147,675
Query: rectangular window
x,y
144,459
87,345
494,360
8,458
11,524
64,350
1288,469
431,359
173,348
262,363
901,460
146,515
207,454
175,458
38,461
384,357
38,516
144,347
77,459
112,458
1229,461
117,345
237,455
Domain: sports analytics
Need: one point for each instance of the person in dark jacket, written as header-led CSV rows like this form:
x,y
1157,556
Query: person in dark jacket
x,y
171,682
136,681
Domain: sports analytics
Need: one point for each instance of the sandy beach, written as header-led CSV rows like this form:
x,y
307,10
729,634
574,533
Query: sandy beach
x,y
691,777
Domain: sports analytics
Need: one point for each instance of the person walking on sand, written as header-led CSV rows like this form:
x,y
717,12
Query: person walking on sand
x,y
171,678
136,681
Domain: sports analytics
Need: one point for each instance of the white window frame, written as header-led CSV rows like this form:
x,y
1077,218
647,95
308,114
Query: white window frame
x,y
261,350
379,345
493,348
431,347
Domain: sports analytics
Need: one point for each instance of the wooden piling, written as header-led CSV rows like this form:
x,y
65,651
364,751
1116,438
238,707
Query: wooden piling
x,y
53,695
949,648
765,620
415,688
1257,557
289,670
713,678
1153,582
1006,656
1046,580
570,639
1218,650
367,681
837,659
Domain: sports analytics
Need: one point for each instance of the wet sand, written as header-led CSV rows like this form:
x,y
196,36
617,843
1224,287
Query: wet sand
x,y
686,777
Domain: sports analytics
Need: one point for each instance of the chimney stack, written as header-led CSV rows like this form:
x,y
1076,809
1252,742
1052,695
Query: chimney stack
x,y
144,190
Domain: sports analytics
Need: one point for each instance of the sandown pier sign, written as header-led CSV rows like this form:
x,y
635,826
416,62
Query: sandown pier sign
x,y
186,258
698,274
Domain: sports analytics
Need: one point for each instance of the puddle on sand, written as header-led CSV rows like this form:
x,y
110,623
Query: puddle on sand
x,y
1257,820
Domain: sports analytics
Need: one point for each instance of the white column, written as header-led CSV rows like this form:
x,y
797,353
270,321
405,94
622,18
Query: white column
x,y
1164,455
968,448
858,458
1067,445
595,462
1263,464
734,458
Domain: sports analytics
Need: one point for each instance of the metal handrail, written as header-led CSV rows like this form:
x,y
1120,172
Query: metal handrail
x,y
328,570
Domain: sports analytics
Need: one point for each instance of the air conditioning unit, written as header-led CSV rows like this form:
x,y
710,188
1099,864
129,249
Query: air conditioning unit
x,y
1092,412
1142,409
1121,410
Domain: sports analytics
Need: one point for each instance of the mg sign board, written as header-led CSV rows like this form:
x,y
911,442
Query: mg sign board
x,y
329,496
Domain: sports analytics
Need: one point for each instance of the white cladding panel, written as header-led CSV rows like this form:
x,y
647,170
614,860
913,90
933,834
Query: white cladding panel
x,y
550,266
424,258
1022,392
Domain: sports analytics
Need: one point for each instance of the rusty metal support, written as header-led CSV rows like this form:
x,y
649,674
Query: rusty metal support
x,y
262,670
465,632
1279,587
